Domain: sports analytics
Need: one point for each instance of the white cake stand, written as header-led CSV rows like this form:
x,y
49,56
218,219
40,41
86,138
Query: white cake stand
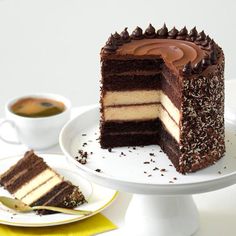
x,y
162,203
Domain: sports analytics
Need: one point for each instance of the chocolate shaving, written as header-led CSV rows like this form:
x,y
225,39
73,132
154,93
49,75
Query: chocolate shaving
x,y
82,161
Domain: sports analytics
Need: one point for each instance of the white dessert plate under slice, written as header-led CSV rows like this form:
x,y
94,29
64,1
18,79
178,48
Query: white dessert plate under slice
x,y
98,197
145,170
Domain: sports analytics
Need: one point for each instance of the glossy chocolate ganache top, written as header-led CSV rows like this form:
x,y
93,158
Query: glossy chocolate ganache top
x,y
190,52
178,52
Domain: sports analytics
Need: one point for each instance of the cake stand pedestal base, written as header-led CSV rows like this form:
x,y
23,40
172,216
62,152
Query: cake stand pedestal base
x,y
151,215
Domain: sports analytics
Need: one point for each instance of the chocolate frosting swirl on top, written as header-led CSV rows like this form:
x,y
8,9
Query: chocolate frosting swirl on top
x,y
173,51
178,49
150,32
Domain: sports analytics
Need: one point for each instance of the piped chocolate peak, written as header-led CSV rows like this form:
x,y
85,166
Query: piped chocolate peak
x,y
182,33
150,32
137,33
204,51
118,39
192,34
111,44
163,32
125,36
172,34
187,70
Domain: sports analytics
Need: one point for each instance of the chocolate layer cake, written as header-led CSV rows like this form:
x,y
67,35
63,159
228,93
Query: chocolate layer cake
x,y
33,182
167,88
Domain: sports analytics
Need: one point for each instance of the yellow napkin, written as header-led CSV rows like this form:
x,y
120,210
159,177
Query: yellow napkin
x,y
91,226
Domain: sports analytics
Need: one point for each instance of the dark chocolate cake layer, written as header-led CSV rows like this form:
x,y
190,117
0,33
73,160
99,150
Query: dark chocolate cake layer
x,y
188,69
120,140
129,126
131,82
119,66
28,160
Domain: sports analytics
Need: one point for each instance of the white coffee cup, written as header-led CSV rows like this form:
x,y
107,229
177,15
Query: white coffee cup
x,y
39,132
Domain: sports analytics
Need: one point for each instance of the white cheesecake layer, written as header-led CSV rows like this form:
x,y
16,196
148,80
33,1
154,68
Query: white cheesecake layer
x,y
115,98
142,112
132,112
42,190
170,125
34,183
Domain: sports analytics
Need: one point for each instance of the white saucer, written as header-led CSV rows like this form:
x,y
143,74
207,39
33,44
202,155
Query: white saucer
x,y
98,197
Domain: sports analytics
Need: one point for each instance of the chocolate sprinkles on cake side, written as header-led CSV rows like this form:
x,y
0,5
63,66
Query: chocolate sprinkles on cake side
x,y
164,87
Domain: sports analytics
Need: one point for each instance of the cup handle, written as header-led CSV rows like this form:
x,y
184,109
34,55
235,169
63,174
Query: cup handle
x,y
14,127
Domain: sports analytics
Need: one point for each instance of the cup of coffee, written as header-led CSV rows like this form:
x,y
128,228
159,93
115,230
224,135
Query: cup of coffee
x,y
37,119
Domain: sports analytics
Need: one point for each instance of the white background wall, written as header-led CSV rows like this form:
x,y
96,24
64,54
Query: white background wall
x,y
53,45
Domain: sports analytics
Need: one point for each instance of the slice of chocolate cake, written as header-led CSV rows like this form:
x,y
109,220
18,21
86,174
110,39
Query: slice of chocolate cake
x,y
33,182
164,87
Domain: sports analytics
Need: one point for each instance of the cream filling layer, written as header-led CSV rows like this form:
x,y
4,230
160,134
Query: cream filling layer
x,y
142,112
115,98
41,190
34,183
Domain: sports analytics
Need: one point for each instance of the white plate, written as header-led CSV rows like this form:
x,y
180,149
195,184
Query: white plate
x,y
97,196
129,173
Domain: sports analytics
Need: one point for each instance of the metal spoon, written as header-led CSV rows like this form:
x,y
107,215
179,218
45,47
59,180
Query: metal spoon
x,y
19,206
